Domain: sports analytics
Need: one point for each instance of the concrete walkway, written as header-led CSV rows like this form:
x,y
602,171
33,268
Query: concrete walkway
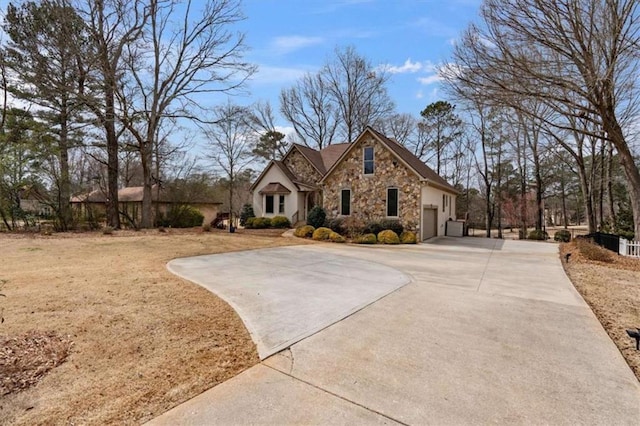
x,y
487,331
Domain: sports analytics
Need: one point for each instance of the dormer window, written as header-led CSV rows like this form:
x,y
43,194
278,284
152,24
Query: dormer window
x,y
368,160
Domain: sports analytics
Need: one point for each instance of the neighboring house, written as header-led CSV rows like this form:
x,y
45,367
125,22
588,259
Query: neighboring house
x,y
35,201
372,178
92,206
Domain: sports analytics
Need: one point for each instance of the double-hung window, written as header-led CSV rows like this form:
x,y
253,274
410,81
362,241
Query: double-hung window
x,y
281,205
345,202
368,160
268,208
392,202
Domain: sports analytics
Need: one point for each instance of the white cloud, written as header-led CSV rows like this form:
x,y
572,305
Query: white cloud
x,y
441,72
287,44
407,67
420,94
277,75
430,79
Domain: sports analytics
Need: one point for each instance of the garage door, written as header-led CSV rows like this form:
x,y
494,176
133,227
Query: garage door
x,y
429,223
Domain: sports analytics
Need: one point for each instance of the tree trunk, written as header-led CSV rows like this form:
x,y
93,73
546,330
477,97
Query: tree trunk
x,y
113,216
147,206
564,202
612,211
231,179
588,199
613,129
64,199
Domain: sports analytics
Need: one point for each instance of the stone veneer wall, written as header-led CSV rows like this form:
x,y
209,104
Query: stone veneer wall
x,y
301,167
369,192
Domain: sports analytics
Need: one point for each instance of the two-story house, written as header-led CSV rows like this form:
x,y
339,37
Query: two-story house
x,y
372,178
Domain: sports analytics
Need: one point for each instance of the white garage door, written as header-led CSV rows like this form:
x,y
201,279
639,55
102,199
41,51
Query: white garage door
x,y
429,223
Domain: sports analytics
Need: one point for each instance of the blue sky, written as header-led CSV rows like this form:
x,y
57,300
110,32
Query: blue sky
x,y
290,37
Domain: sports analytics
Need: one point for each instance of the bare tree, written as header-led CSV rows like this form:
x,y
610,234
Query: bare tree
x,y
184,52
111,25
230,137
401,127
578,57
309,108
359,91
344,97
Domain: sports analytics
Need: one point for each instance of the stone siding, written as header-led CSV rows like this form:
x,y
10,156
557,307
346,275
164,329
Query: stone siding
x,y
302,168
369,192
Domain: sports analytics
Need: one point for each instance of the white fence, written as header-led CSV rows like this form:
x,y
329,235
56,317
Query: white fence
x,y
629,248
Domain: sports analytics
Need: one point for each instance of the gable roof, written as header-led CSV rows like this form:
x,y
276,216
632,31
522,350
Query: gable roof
x,y
284,169
332,153
314,157
321,160
403,154
274,188
133,194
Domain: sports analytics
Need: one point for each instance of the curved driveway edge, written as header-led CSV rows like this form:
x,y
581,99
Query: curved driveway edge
x,y
286,294
487,332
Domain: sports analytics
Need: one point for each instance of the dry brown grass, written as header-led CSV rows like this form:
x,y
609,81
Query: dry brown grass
x,y
144,340
613,292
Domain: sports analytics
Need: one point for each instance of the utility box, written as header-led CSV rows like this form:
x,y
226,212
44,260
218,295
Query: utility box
x,y
455,228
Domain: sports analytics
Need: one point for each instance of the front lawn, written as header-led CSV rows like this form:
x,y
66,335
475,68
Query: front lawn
x,y
140,340
613,292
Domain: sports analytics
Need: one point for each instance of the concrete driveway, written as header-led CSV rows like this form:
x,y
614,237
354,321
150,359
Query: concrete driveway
x,y
486,331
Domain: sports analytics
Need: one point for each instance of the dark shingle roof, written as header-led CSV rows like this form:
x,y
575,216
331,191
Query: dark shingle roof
x,y
414,162
332,153
274,188
314,157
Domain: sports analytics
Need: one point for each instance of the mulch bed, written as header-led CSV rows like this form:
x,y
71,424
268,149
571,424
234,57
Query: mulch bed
x,y
25,359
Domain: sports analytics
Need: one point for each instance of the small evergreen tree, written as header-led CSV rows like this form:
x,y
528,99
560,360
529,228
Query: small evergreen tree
x,y
316,217
246,213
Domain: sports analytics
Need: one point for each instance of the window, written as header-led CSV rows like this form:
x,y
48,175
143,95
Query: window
x,y
281,205
368,160
444,200
449,205
345,202
392,202
268,204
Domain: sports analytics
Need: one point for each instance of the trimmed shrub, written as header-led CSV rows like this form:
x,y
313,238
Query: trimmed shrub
x,y
594,252
336,238
388,237
182,216
321,234
249,222
338,225
366,239
280,222
538,234
408,237
563,235
305,231
392,225
316,217
373,227
246,213
628,235
261,223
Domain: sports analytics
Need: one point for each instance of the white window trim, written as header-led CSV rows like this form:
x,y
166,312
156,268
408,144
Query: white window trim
x,y
273,204
284,204
397,200
350,202
373,160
